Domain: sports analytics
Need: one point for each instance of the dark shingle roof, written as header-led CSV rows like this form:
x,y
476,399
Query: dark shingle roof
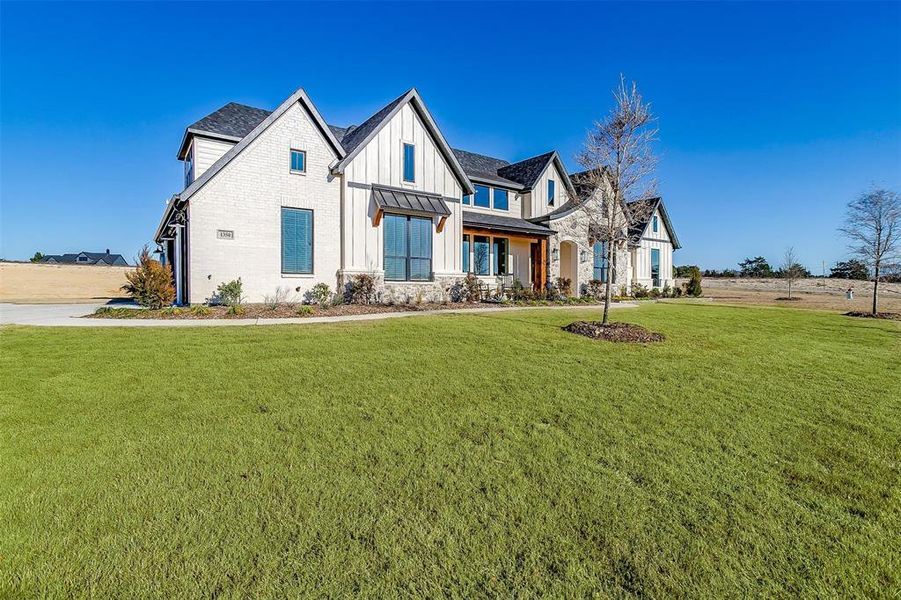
x,y
527,172
479,165
93,258
232,120
356,135
640,213
510,224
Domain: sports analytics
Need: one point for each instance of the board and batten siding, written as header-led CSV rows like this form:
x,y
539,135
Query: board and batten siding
x,y
535,202
246,198
380,162
206,152
641,256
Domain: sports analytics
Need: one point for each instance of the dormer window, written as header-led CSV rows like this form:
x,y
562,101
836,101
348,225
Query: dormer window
x,y
298,161
482,197
409,163
500,199
82,259
551,192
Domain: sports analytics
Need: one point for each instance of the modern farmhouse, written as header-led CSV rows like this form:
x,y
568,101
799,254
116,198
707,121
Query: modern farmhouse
x,y
282,199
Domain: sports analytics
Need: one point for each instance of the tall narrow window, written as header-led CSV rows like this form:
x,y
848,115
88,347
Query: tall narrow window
x,y
500,199
467,198
466,254
298,161
655,267
655,223
409,162
600,262
551,192
189,167
483,196
297,240
499,255
408,248
480,252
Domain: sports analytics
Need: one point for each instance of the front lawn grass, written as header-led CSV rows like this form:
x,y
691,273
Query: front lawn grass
x,y
754,452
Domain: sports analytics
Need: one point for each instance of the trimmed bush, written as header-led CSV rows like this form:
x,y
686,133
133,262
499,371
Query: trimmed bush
x,y
230,294
693,287
639,291
320,294
467,290
150,284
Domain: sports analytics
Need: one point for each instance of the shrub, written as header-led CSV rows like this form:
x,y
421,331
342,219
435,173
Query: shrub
x,y
693,287
320,294
172,311
200,310
677,292
229,293
667,291
564,286
150,284
654,293
639,291
304,310
279,297
595,289
236,310
361,289
467,290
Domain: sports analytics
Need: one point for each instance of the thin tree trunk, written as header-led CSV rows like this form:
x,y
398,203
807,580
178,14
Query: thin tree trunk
x,y
875,288
607,288
789,289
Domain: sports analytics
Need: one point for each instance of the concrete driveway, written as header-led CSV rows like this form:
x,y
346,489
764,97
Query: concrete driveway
x,y
46,314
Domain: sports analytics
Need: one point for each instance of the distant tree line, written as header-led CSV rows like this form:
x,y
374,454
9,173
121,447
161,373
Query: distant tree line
x,y
759,267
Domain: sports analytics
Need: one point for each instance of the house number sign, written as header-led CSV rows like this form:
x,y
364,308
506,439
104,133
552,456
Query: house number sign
x,y
225,234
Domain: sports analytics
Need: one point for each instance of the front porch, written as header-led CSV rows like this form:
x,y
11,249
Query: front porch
x,y
499,250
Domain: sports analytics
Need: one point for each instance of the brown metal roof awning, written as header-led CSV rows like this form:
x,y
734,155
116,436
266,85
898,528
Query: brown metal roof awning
x,y
504,224
395,200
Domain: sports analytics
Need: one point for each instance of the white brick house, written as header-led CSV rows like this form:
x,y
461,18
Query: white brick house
x,y
283,200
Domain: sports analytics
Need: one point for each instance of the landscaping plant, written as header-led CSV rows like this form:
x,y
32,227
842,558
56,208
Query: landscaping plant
x,y
150,284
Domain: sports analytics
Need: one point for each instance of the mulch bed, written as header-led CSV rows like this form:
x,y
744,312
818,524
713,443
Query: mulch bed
x,y
284,311
614,332
892,316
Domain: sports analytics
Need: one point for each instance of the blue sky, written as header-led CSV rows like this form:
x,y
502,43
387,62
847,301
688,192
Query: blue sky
x,y
772,116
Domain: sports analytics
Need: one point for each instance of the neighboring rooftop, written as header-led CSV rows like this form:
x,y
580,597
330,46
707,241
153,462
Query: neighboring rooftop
x,y
86,258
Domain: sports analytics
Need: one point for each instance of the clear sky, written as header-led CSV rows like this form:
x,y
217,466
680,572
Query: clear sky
x,y
772,116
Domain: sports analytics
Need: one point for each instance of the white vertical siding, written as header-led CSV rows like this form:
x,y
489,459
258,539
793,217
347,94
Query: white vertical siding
x,y
538,196
381,162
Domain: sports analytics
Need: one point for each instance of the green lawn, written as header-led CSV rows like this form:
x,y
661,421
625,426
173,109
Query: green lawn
x,y
755,452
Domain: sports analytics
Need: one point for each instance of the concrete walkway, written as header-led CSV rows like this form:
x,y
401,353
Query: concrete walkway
x,y
68,315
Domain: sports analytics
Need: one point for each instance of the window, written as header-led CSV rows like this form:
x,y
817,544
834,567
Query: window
x,y
655,267
654,223
409,162
500,199
499,256
480,255
466,254
550,192
83,259
189,168
408,248
298,161
600,263
467,198
297,240
483,196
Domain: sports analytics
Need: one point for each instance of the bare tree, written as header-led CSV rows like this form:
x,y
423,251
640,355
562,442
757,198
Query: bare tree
x,y
792,270
619,162
873,228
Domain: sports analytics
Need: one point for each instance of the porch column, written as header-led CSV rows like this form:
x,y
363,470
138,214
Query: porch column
x,y
177,266
541,277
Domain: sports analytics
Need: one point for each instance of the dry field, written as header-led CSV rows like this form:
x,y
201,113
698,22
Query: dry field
x,y
42,283
820,294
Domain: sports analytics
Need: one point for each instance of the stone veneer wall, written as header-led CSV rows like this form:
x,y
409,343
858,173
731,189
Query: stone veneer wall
x,y
402,292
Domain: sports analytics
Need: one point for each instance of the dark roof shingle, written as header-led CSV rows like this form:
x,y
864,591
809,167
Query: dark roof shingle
x,y
526,172
355,136
509,224
232,120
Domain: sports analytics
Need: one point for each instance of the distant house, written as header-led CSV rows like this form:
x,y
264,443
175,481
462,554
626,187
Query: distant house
x,y
87,258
